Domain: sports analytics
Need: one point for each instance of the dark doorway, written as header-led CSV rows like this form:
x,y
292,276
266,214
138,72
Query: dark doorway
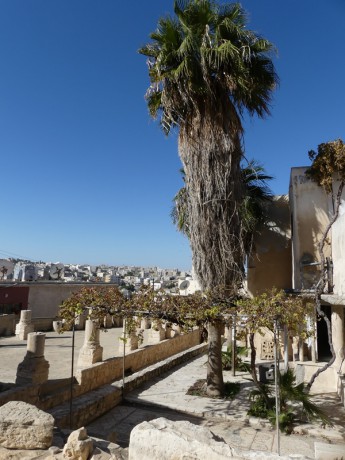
x,y
324,351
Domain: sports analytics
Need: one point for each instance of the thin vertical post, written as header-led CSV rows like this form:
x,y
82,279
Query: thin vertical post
x,y
72,379
286,349
233,339
276,378
124,355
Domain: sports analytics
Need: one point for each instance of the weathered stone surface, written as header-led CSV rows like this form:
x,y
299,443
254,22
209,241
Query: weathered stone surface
x,y
79,446
166,440
325,451
10,454
25,326
23,426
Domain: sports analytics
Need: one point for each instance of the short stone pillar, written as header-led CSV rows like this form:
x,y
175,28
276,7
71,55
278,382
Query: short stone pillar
x,y
128,341
25,326
91,352
177,329
79,322
145,323
228,335
34,369
295,348
156,333
169,331
117,321
108,321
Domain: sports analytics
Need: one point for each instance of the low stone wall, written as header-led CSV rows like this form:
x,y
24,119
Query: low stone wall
x,y
110,370
7,325
325,382
93,404
43,324
92,378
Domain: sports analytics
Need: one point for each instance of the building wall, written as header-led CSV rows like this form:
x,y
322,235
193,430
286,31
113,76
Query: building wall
x,y
338,255
43,298
270,263
309,210
13,298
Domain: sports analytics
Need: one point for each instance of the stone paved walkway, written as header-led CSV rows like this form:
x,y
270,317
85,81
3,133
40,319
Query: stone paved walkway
x,y
166,397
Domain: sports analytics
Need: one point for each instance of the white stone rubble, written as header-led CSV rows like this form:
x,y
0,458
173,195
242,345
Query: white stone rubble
x,y
79,446
23,426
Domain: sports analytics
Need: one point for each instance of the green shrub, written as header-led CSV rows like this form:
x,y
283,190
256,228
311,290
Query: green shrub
x,y
241,352
295,402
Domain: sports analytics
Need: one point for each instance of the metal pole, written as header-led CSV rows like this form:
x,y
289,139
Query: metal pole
x,y
276,377
286,349
124,355
72,379
233,339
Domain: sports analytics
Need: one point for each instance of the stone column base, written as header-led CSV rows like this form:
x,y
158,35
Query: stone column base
x,y
22,330
131,343
32,371
89,355
156,336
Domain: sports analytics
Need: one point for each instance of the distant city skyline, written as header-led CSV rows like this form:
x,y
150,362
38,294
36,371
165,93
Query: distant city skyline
x,y
86,175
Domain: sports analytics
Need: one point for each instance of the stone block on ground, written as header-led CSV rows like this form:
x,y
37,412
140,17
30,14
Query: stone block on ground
x,y
164,439
23,426
79,446
325,451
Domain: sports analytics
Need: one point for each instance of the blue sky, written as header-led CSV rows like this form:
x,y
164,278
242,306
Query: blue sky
x,y
86,175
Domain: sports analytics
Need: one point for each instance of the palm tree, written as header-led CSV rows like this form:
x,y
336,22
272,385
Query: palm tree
x,y
253,210
205,69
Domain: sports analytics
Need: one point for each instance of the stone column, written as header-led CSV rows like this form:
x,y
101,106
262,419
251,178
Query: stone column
x,y
79,323
177,329
145,323
337,321
108,321
128,341
156,333
25,326
169,331
34,368
228,336
301,355
91,352
295,348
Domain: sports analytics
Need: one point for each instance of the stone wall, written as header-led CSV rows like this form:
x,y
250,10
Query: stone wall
x,y
7,324
325,382
107,371
90,379
338,255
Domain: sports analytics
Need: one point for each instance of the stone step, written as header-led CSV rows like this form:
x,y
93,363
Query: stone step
x,y
87,407
325,451
91,405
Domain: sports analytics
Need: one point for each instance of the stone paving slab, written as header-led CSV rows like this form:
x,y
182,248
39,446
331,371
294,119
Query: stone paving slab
x,y
166,397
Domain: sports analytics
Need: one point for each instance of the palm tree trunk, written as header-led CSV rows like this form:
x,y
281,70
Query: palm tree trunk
x,y
215,383
210,150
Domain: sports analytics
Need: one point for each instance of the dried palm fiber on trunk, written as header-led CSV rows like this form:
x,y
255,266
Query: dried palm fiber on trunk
x,y
210,150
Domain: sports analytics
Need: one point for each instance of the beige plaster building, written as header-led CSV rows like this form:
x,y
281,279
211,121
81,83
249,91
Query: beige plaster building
x,y
286,256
